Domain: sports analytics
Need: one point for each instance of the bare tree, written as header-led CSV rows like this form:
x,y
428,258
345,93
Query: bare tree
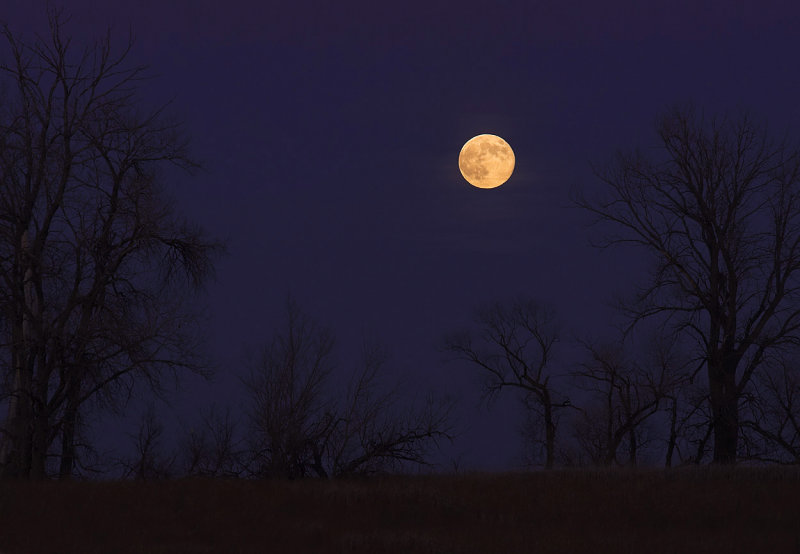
x,y
626,394
299,429
289,412
149,461
373,434
212,449
690,423
684,418
718,208
771,414
90,249
514,349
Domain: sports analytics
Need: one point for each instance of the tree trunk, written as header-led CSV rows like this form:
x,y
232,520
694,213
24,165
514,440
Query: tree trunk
x,y
68,440
69,422
38,457
725,413
673,420
317,465
41,417
16,453
550,433
632,446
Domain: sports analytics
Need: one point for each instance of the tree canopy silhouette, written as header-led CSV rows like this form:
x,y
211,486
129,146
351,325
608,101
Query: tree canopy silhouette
x,y
514,349
717,205
298,428
90,248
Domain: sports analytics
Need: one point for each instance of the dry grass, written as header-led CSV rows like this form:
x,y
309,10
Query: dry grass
x,y
742,510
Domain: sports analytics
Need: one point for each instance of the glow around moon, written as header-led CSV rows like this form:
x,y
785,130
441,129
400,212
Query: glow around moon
x,y
486,161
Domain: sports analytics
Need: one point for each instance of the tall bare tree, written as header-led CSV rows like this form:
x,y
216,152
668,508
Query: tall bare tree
x,y
718,207
374,432
289,412
299,428
514,350
90,248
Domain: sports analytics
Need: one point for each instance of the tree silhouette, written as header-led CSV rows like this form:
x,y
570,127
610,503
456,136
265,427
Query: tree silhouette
x,y
149,461
514,349
299,429
90,249
771,414
718,208
212,449
626,393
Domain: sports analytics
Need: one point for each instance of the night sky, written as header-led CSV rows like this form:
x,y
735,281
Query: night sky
x,y
330,134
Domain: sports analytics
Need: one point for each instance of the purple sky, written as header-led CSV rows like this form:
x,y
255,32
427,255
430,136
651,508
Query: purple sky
x,y
331,134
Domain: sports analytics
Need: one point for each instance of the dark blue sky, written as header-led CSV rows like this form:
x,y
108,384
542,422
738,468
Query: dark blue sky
x,y
331,131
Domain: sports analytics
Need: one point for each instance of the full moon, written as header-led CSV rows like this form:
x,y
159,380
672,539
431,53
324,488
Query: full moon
x,y
486,161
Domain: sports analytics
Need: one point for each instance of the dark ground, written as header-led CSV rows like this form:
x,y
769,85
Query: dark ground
x,y
696,510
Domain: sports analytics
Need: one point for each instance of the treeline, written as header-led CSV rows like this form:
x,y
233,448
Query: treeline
x,y
631,400
294,424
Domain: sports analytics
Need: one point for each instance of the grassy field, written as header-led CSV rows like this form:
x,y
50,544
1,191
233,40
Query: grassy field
x,y
699,510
